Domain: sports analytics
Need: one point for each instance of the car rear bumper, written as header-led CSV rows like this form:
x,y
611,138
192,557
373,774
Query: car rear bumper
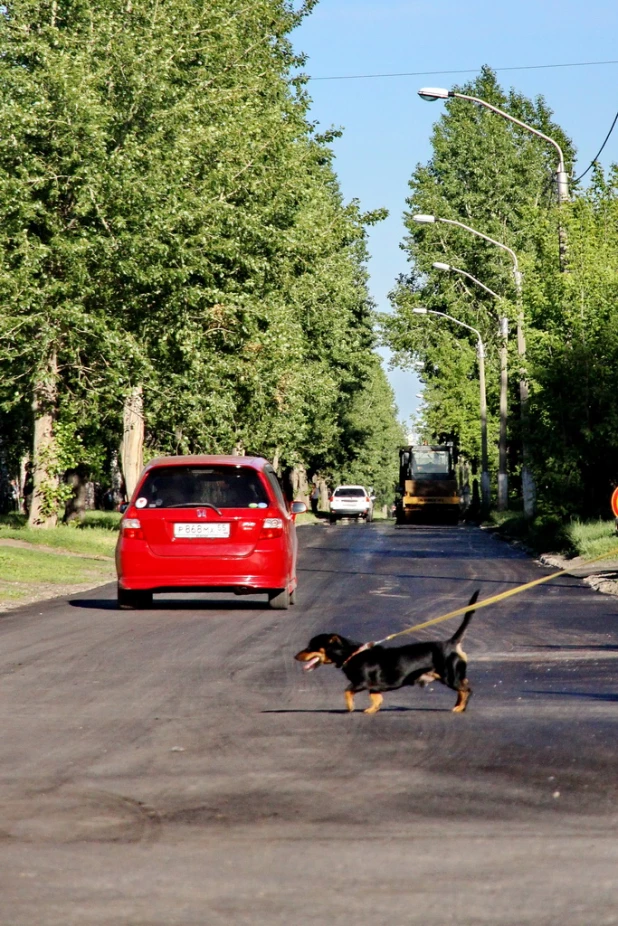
x,y
147,571
349,512
242,584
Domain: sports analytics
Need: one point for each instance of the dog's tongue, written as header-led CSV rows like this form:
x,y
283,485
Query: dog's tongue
x,y
308,666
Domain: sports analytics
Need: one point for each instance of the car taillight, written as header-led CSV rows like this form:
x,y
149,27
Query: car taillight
x,y
272,527
332,498
367,499
131,528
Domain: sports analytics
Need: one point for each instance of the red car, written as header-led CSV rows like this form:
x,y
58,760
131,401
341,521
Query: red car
x,y
208,523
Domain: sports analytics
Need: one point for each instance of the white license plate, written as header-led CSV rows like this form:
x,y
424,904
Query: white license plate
x,y
201,530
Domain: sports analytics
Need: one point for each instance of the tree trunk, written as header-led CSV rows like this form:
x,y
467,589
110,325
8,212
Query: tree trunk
x,y
117,483
299,484
24,469
324,495
76,506
132,448
43,506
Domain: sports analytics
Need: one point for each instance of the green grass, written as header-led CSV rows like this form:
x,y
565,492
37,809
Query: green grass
x,y
96,536
45,566
552,534
109,520
32,567
593,538
34,573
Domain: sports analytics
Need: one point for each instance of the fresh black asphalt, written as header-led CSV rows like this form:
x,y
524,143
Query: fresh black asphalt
x,y
176,766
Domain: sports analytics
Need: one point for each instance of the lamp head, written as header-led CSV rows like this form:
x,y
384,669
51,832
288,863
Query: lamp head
x,y
433,93
424,219
438,265
419,311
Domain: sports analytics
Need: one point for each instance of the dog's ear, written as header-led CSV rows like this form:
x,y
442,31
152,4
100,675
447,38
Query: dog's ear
x,y
335,639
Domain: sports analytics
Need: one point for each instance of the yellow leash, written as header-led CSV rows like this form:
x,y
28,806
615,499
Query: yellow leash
x,y
487,601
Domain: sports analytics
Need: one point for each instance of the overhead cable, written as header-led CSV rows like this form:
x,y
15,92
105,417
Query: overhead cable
x,y
596,157
524,67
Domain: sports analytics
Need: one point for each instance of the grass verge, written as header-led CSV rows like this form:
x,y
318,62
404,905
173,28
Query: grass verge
x,y
37,564
549,534
96,536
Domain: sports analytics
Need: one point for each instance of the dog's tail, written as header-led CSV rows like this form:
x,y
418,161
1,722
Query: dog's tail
x,y
458,635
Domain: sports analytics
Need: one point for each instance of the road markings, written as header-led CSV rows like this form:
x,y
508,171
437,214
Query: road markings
x,y
387,592
536,656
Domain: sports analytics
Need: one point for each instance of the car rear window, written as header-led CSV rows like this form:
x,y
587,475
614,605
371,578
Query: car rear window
x,y
352,492
192,486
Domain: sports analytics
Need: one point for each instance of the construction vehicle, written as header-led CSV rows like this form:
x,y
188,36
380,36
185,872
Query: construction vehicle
x,y
427,485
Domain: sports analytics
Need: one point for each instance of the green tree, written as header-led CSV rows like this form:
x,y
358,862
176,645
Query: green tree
x,y
171,227
370,438
573,355
493,176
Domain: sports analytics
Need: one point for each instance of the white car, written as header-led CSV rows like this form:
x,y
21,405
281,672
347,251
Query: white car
x,y
351,502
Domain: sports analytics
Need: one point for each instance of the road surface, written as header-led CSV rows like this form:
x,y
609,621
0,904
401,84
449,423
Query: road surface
x,y
176,766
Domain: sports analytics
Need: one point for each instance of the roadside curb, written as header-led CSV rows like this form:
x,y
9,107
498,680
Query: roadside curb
x,y
605,582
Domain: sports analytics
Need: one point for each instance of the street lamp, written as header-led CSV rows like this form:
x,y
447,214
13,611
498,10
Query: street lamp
x,y
438,93
485,486
527,478
562,186
503,490
431,219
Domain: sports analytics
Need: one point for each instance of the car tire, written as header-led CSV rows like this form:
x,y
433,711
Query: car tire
x,y
333,519
130,600
279,599
293,597
369,517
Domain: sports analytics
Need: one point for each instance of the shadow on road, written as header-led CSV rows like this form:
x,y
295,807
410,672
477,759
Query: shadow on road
x,y
590,695
188,604
343,710
599,648
570,583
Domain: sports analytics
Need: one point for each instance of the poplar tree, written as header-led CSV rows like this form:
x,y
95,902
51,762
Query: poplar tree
x,y
173,241
497,178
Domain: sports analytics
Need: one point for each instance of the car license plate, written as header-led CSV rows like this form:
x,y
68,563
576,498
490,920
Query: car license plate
x,y
201,530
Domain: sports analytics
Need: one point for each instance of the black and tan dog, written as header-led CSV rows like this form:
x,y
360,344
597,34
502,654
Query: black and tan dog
x,y
378,668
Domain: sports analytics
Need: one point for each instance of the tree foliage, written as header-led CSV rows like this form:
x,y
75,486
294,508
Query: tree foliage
x,y
170,219
497,178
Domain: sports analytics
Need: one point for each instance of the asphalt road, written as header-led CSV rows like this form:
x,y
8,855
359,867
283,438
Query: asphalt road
x,y
176,766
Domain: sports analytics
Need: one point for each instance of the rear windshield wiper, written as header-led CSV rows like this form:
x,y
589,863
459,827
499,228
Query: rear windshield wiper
x,y
196,505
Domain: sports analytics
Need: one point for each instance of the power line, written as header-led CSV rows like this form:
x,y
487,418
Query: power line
x,y
596,157
525,67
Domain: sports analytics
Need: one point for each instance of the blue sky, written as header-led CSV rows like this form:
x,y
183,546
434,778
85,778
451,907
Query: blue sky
x,y
386,125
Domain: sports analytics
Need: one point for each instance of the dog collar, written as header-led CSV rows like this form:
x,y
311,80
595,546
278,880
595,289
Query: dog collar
x,y
361,649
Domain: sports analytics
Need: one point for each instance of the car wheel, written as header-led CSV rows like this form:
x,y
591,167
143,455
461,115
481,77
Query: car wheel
x,y
369,517
293,597
333,519
129,600
279,599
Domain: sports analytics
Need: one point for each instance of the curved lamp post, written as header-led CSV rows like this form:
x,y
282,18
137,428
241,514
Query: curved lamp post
x,y
439,93
431,219
503,492
527,478
485,486
562,187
